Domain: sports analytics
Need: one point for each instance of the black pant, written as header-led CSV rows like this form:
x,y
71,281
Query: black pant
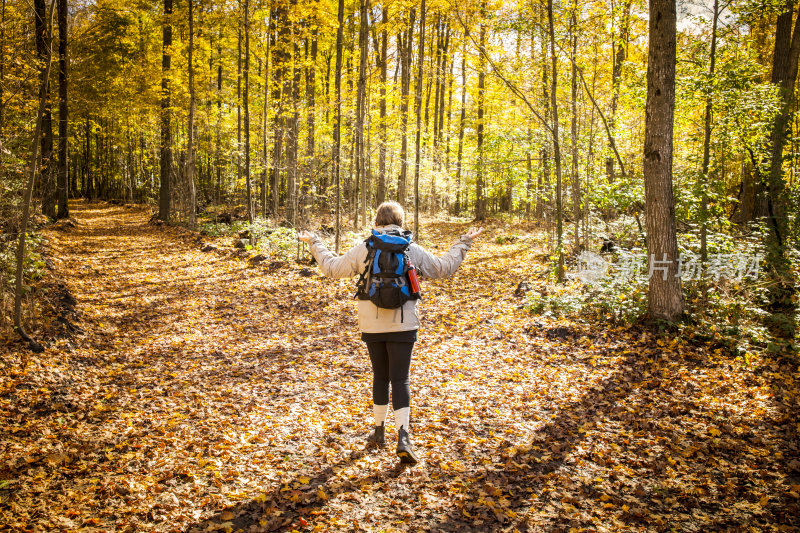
x,y
391,362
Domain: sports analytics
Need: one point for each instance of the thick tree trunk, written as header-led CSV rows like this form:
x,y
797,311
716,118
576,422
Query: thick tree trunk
x,y
166,121
63,113
782,307
47,183
2,76
665,297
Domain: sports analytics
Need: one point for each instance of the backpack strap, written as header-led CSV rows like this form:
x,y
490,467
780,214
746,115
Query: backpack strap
x,y
375,267
361,284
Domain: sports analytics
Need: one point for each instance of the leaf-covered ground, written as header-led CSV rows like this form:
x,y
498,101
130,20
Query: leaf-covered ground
x,y
208,394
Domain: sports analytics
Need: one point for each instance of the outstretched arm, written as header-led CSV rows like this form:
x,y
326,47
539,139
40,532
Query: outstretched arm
x,y
331,265
445,266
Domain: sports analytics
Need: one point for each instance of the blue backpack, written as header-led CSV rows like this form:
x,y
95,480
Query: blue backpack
x,y
389,279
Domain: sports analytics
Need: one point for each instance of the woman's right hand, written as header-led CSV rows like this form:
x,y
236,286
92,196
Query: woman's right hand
x,y
305,236
473,233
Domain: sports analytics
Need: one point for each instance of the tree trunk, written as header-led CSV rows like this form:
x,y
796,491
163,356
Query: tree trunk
x,y
218,147
247,111
543,182
420,64
44,80
437,74
450,79
292,141
782,321
404,44
529,182
63,113
87,180
278,72
190,127
382,60
619,56
575,179
311,90
2,76
47,183
264,120
239,100
459,157
705,178
556,145
665,297
166,121
442,77
363,45
337,126
480,201
425,136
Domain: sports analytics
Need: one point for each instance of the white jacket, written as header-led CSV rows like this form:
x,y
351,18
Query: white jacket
x,y
371,318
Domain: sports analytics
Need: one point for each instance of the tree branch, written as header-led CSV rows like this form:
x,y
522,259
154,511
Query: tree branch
x,y
499,74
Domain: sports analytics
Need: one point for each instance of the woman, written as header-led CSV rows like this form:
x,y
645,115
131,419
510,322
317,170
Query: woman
x,y
390,334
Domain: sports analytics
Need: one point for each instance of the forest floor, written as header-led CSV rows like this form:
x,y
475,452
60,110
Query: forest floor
x,y
208,394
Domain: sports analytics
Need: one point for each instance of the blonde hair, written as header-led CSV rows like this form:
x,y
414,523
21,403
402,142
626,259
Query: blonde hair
x,y
389,213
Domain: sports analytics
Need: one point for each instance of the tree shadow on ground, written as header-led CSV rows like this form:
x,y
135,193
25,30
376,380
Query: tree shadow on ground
x,y
715,475
285,506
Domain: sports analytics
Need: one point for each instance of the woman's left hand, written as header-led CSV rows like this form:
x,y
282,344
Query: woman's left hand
x,y
305,236
473,233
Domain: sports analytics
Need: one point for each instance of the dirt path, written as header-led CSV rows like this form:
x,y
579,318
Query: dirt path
x,y
209,394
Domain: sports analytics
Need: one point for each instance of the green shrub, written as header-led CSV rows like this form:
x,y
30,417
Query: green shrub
x,y
215,229
33,265
731,315
276,242
614,298
506,239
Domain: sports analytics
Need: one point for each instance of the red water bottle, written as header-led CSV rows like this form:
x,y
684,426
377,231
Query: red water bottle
x,y
412,278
